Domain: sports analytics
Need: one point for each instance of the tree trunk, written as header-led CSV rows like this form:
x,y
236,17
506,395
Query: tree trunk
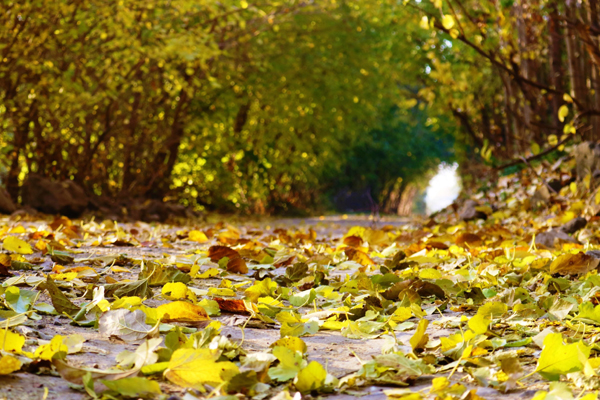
x,y
556,69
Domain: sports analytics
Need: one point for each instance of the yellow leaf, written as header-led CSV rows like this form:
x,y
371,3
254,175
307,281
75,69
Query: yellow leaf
x,y
448,21
552,140
66,277
479,324
291,342
195,367
438,384
424,24
560,359
494,309
128,302
16,245
174,290
48,351
420,338
567,98
573,188
333,325
197,236
209,273
401,314
310,378
563,111
5,260
9,364
10,341
221,292
430,273
181,311
17,229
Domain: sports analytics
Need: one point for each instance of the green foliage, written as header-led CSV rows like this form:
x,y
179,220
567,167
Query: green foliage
x,y
406,145
225,105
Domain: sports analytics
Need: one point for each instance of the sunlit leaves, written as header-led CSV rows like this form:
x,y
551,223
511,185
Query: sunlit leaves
x,y
588,313
395,369
134,387
197,236
181,311
196,367
143,356
126,325
16,245
420,338
448,21
558,358
479,323
290,363
573,264
11,342
158,274
311,377
563,111
292,343
177,291
9,364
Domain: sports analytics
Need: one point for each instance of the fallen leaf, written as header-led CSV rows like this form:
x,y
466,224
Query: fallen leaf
x,y
235,262
235,306
310,378
193,368
10,341
197,236
560,359
16,245
420,338
181,311
9,364
61,303
290,363
133,387
574,264
359,256
129,326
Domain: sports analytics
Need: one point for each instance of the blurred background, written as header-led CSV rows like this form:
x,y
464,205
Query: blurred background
x,y
289,106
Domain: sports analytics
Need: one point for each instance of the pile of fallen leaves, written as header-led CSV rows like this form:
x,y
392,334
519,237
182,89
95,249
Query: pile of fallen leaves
x,y
452,306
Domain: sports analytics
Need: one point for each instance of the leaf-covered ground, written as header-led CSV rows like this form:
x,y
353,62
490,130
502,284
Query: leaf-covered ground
x,y
433,308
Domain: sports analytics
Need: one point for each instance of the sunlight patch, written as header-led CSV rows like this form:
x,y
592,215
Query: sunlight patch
x,y
443,188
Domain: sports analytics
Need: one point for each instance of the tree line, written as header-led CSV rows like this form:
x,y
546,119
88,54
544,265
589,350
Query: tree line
x,y
519,76
270,106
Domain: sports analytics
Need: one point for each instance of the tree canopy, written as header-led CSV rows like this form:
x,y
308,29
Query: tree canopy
x,y
274,105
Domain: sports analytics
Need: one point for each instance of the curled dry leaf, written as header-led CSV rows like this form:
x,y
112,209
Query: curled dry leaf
x,y
181,311
234,306
60,301
359,256
353,241
129,326
574,264
235,263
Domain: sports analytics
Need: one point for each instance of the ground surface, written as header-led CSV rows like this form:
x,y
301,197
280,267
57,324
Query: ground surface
x,y
349,295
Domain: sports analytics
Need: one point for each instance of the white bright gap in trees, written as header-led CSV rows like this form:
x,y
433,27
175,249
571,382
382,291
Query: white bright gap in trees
x,y
443,188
